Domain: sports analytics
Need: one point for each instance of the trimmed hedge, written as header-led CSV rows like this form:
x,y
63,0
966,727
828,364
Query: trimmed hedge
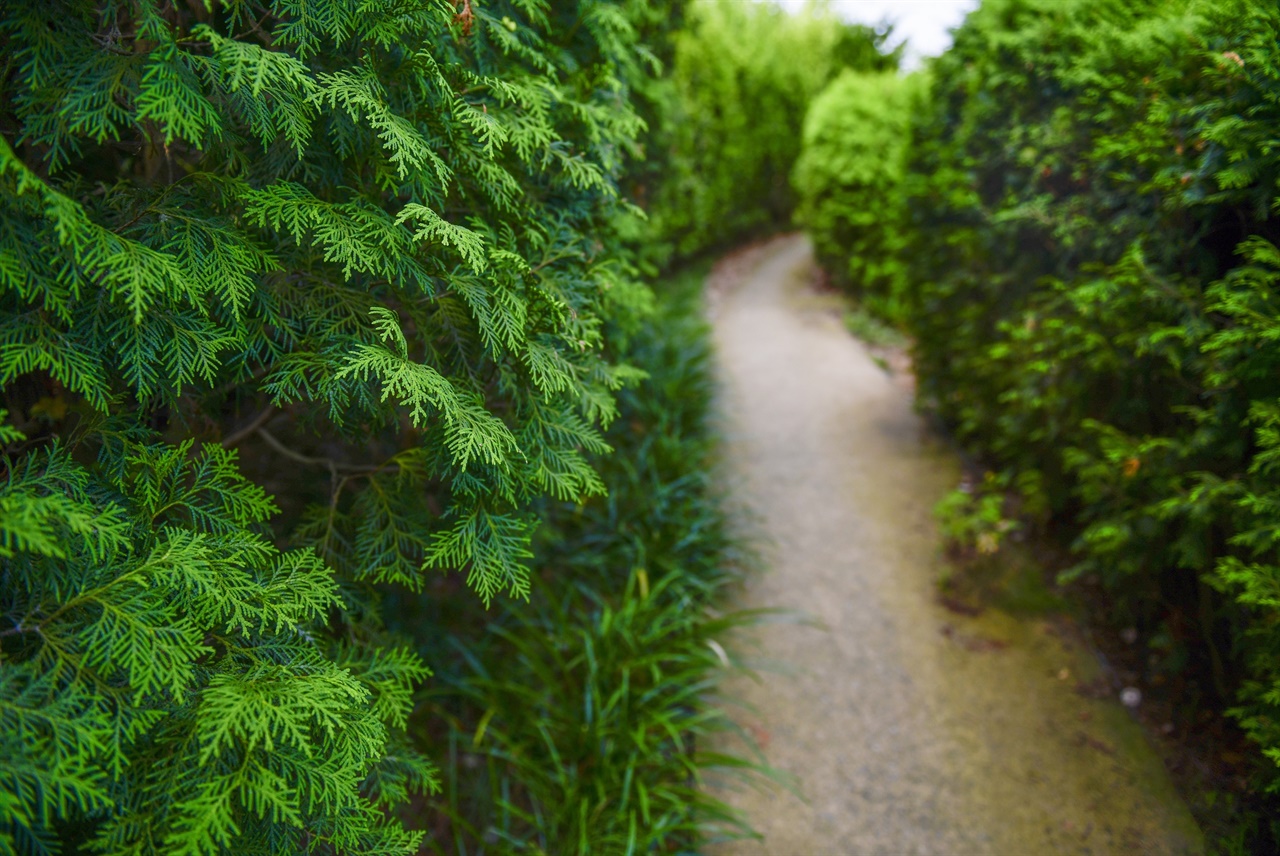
x,y
730,116
1090,244
849,179
1094,276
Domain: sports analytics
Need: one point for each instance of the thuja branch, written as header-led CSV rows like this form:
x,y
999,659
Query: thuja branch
x,y
258,421
329,463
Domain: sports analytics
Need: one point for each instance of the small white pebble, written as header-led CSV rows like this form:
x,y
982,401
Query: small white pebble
x,y
1131,696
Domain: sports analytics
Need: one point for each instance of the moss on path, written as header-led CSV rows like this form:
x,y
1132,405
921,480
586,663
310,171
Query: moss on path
x,y
909,729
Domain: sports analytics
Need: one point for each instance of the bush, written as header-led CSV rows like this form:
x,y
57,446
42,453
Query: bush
x,y
742,78
849,181
1093,267
354,255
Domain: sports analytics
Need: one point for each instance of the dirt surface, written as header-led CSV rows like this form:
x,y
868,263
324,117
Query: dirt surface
x,y
908,727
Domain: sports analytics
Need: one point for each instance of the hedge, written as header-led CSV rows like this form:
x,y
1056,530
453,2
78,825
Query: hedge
x,y
1093,270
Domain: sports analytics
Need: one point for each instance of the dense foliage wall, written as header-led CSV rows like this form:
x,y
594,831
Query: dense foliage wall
x,y
849,181
728,130
1091,243
301,305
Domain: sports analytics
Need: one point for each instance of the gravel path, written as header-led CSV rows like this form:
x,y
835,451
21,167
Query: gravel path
x,y
909,729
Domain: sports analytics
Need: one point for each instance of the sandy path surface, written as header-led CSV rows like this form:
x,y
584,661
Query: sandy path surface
x,y
908,729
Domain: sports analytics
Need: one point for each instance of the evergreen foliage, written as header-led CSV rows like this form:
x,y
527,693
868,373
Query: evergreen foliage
x,y
742,77
579,723
355,255
1090,239
849,181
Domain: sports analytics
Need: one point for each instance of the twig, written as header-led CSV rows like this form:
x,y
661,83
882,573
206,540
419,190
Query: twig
x,y
258,421
332,465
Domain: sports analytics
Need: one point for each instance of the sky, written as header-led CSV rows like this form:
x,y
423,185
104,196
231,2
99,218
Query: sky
x,y
924,23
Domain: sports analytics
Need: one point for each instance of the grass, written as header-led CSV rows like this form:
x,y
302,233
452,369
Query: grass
x,y
578,722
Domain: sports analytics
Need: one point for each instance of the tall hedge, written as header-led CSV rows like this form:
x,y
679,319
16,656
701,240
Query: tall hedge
x,y
301,305
732,111
849,182
1094,269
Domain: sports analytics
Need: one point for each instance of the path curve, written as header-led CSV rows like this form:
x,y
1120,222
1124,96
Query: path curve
x,y
903,738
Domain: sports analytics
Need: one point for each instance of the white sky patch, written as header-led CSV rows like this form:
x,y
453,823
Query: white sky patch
x,y
924,24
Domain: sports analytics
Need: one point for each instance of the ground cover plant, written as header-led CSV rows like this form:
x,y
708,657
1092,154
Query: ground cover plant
x,y
1091,263
619,656
303,304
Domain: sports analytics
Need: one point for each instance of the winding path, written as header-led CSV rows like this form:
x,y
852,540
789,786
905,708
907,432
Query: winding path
x,y
908,729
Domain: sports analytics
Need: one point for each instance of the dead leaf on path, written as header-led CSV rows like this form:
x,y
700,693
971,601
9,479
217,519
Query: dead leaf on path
x,y
1094,743
978,644
959,606
760,734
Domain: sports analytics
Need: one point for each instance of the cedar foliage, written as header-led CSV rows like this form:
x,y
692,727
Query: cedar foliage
x,y
1092,259
580,722
354,254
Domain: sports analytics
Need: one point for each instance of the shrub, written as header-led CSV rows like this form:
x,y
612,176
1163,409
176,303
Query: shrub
x,y
1093,266
354,254
849,182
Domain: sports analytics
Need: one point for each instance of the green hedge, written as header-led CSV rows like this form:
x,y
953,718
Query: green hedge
x,y
731,113
849,183
1092,243
354,255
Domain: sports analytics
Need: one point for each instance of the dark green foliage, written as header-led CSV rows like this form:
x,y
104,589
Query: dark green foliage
x,y
363,245
578,722
732,112
849,182
1094,271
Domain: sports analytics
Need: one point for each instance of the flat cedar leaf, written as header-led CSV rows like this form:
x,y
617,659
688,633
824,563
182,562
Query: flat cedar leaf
x,y
431,226
492,547
169,94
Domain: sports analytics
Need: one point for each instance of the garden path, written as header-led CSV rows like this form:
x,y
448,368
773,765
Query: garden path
x,y
908,728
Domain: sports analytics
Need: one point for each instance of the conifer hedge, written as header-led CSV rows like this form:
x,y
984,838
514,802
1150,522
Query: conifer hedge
x,y
849,179
730,114
1091,242
299,300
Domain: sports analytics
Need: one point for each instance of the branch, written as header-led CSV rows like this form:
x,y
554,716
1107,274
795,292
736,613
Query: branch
x,y
258,421
332,465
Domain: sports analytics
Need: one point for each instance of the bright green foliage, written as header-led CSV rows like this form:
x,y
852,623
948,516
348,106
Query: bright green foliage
x,y
1094,269
742,78
974,518
849,184
580,723
154,671
362,242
